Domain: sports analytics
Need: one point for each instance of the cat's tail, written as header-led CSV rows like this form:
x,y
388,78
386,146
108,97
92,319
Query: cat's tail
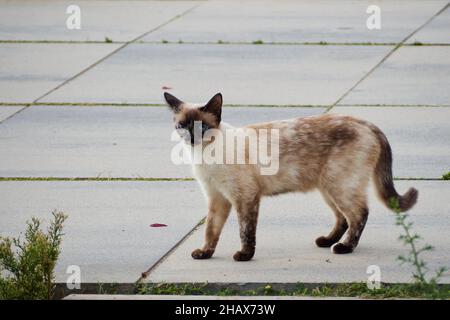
x,y
383,178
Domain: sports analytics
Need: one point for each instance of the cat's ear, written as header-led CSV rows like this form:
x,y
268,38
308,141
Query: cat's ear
x,y
173,102
214,106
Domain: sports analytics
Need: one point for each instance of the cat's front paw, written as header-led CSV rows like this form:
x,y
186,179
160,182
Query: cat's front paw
x,y
340,248
324,242
243,256
202,254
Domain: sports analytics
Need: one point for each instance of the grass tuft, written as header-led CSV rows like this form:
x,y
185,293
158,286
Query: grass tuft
x,y
357,289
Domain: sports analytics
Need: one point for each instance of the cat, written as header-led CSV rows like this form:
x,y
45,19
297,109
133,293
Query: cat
x,y
336,154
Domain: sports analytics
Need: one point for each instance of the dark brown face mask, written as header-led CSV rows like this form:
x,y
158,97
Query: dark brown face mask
x,y
192,123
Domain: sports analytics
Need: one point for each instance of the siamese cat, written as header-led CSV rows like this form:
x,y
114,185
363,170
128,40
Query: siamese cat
x,y
337,155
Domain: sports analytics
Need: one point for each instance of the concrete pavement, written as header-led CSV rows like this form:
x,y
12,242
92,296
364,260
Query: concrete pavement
x,y
296,22
292,75
45,20
108,233
286,252
73,105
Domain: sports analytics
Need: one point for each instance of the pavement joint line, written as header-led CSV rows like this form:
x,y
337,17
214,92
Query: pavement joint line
x,y
299,44
218,42
116,50
236,105
95,179
281,43
144,179
399,45
394,105
115,104
147,273
419,179
59,42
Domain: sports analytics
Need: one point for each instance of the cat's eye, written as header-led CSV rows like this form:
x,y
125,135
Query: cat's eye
x,y
179,125
204,127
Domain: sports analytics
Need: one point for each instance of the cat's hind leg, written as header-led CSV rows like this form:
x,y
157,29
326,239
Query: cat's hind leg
x,y
339,228
356,214
345,181
218,212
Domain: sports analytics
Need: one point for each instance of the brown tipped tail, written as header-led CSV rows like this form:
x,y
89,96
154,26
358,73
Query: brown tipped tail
x,y
383,178
408,200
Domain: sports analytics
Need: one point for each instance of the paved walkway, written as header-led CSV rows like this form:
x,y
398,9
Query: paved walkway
x,y
87,104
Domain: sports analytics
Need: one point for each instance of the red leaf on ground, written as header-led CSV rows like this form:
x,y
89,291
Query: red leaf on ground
x,y
158,225
166,88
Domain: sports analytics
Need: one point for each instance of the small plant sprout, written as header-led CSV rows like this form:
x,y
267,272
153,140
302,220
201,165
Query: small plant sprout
x,y
108,40
414,255
446,176
258,42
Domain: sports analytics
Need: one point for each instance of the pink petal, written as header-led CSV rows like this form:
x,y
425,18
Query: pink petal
x,y
158,225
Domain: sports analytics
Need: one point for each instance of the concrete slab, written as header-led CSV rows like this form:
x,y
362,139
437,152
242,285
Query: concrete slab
x,y
108,233
412,76
117,20
7,111
437,31
286,252
245,74
30,70
418,137
297,21
105,141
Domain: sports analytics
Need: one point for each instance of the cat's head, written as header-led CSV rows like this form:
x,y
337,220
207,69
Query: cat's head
x,y
191,122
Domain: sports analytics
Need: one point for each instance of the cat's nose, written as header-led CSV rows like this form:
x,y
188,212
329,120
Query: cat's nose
x,y
196,140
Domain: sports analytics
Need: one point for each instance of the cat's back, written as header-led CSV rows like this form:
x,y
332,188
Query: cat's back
x,y
318,127
314,139
318,121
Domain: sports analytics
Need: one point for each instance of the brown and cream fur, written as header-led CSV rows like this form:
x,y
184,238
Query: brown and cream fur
x,y
337,155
